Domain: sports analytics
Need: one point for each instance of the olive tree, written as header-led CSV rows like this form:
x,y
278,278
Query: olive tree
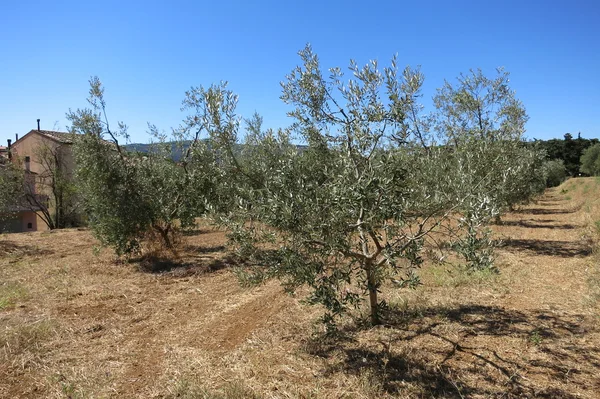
x,y
478,107
337,213
481,123
134,197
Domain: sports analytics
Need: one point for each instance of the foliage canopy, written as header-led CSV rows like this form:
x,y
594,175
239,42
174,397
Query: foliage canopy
x,y
355,206
132,197
590,160
369,192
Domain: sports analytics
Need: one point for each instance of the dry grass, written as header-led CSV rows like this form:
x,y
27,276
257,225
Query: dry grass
x,y
74,323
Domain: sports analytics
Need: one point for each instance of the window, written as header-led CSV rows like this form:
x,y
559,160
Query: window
x,y
30,225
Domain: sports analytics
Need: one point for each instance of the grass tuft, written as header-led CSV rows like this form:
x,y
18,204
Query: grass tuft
x,y
458,276
192,389
25,338
10,294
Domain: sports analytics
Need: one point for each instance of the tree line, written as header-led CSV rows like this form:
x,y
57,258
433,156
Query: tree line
x,y
570,152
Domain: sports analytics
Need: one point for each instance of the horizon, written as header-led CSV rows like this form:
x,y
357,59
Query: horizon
x,y
147,57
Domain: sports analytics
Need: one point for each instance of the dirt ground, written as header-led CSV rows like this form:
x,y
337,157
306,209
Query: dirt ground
x,y
76,323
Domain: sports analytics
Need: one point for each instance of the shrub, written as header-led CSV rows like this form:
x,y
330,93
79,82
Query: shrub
x,y
590,160
556,173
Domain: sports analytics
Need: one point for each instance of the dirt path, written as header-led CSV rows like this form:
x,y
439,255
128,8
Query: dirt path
x,y
549,248
548,242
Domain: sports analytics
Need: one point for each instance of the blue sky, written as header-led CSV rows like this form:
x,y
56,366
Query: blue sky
x,y
148,53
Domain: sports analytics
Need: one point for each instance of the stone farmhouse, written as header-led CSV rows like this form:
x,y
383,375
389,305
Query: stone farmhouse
x,y
38,152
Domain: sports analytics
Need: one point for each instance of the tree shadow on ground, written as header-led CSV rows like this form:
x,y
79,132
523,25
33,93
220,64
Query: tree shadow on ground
x,y
9,248
189,260
550,199
545,220
468,351
195,249
563,249
544,211
540,225
195,232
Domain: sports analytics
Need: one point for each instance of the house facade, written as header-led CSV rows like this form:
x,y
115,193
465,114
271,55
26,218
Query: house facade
x,y
42,154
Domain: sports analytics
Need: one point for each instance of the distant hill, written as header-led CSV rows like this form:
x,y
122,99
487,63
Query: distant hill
x,y
177,152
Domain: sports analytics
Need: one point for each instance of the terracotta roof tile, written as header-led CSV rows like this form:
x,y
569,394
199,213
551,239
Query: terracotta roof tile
x,y
63,137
